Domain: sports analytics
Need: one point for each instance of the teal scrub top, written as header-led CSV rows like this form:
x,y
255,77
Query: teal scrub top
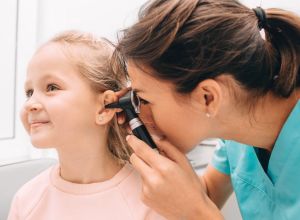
x,y
274,194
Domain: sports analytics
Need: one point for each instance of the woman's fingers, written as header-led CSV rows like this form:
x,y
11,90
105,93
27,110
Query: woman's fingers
x,y
145,152
140,165
171,152
121,118
122,92
170,186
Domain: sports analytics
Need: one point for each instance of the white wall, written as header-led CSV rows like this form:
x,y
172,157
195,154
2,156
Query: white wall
x,y
18,42
8,9
102,17
292,5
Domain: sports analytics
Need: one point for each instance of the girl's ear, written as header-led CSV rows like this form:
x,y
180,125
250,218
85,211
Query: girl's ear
x,y
207,97
103,115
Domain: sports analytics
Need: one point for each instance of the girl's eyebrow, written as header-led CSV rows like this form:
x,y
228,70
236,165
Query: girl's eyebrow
x,y
43,78
51,76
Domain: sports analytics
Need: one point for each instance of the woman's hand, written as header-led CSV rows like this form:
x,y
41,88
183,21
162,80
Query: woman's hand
x,y
170,185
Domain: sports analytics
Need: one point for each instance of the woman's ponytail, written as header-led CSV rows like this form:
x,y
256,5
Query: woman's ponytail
x,y
187,41
283,32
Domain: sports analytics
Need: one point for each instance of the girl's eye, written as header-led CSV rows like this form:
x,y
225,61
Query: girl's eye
x,y
52,87
29,93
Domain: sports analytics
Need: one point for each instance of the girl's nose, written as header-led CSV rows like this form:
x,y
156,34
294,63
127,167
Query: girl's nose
x,y
32,106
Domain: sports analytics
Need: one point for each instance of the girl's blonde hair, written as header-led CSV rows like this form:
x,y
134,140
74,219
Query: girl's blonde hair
x,y
92,56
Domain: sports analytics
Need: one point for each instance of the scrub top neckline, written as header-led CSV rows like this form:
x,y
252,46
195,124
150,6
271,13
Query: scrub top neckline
x,y
283,146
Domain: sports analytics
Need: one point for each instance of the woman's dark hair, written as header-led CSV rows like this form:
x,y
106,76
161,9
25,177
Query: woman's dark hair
x,y
187,41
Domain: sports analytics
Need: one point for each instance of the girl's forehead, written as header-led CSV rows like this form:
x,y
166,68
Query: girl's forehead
x,y
49,63
48,57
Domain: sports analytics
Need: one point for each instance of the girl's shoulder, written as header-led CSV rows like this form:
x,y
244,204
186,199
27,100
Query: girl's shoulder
x,y
30,193
37,183
131,190
131,181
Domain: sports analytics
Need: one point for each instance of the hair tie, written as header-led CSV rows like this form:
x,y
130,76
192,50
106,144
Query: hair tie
x,y
261,16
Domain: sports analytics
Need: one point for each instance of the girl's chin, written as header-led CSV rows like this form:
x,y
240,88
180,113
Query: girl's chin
x,y
41,144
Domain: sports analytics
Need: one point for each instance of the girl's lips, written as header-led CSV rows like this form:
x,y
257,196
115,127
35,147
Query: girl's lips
x,y
38,123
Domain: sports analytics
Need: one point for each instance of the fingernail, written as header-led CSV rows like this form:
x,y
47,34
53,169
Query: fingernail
x,y
127,137
156,137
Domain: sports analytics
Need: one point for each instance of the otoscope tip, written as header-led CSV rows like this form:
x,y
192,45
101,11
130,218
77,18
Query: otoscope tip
x,y
112,105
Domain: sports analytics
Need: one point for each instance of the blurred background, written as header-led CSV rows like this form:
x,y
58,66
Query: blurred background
x,y
28,23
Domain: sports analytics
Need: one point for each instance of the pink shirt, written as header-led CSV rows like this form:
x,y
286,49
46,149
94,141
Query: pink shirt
x,y
49,197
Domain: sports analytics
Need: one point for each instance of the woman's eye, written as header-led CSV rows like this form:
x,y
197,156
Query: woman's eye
x,y
143,101
52,87
29,93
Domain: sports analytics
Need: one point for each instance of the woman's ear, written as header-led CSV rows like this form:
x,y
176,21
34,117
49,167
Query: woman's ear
x,y
208,94
103,115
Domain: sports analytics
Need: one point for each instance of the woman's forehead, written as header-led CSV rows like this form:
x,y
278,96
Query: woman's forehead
x,y
142,81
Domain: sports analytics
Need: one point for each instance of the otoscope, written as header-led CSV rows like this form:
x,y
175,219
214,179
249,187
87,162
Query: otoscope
x,y
130,103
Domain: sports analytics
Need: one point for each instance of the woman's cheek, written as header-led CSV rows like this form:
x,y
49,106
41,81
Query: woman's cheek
x,y
147,117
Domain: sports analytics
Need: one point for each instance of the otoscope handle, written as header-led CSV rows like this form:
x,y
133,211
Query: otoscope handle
x,y
138,128
142,133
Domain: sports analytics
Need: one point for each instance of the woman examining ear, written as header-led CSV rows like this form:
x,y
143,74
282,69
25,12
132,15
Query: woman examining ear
x,y
204,69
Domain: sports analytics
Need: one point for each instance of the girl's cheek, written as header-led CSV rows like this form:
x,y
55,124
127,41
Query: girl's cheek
x,y
24,120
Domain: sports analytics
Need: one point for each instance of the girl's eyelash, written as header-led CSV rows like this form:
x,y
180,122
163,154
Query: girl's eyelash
x,y
29,93
52,87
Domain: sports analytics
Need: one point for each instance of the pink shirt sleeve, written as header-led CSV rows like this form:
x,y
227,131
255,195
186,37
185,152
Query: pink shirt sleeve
x,y
13,213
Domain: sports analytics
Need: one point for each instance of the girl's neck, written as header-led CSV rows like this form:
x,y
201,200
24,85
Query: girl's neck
x,y
89,165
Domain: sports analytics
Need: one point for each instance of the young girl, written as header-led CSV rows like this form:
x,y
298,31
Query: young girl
x,y
69,81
